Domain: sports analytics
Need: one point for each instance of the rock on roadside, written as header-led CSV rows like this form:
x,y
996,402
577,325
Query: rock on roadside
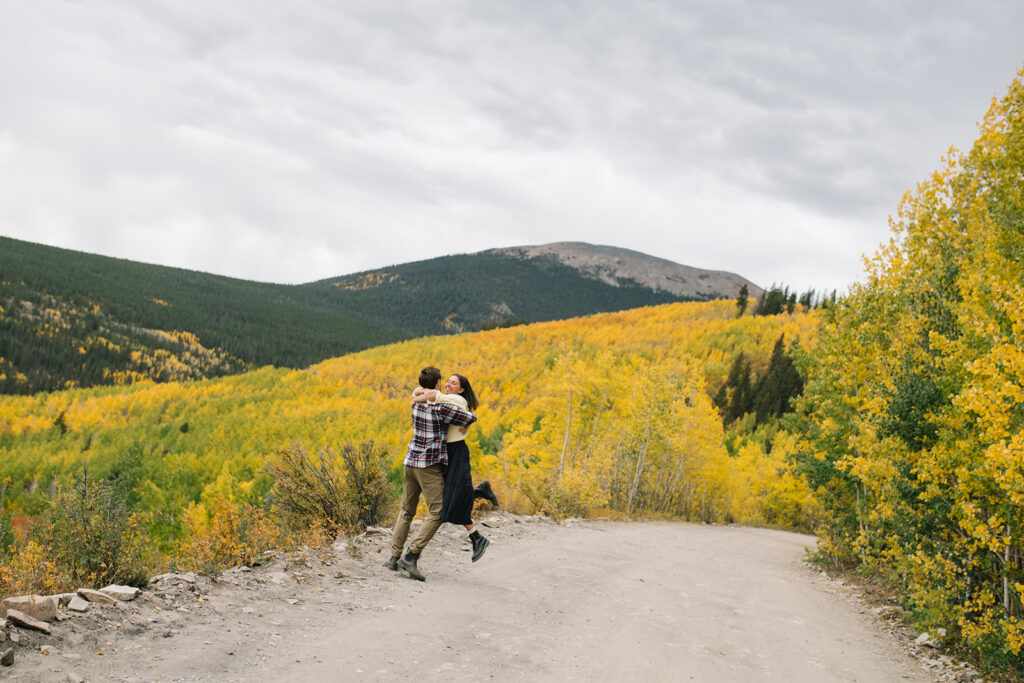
x,y
125,593
96,596
78,604
35,606
25,621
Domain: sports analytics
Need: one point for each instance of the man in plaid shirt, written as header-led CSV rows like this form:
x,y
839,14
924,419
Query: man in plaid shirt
x,y
425,463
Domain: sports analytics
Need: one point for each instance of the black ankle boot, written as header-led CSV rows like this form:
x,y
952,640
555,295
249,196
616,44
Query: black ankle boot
x,y
479,545
408,563
483,490
392,564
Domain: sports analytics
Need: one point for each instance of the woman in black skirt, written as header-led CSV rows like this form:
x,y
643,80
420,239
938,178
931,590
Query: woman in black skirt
x,y
458,479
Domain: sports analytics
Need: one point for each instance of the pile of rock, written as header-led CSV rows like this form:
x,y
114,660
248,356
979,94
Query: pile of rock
x,y
36,612
179,591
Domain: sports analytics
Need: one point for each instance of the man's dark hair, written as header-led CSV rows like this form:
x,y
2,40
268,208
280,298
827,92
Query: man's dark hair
x,y
429,377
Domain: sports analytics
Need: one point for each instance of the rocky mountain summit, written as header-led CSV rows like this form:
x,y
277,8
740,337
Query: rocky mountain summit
x,y
614,266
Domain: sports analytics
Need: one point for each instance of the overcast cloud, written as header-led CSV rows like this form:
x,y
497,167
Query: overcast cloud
x,y
290,142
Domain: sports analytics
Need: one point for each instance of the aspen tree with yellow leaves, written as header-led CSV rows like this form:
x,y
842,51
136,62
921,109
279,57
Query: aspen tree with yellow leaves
x,y
913,415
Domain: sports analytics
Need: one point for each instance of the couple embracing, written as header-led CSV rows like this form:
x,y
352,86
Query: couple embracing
x,y
437,465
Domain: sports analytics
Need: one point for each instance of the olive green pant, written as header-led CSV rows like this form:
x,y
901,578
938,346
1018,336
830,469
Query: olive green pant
x,y
430,482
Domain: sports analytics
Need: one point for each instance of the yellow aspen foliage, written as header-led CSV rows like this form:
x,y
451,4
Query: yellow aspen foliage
x,y
221,535
29,570
913,432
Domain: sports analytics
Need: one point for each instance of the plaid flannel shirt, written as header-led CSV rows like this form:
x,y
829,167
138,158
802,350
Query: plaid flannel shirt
x,y
429,424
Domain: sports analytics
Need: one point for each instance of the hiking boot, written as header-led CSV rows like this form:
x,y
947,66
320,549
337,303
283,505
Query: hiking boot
x,y
483,490
408,563
392,564
479,545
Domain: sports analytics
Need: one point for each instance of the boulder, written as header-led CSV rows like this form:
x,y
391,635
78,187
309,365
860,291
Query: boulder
x,y
25,621
78,604
35,606
125,593
96,596
7,658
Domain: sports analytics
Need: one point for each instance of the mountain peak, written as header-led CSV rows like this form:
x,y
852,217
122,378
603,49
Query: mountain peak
x,y
615,265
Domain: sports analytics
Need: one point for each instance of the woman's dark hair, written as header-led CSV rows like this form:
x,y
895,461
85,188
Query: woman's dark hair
x,y
467,392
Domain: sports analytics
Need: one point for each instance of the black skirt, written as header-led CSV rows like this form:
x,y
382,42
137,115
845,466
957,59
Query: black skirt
x,y
458,486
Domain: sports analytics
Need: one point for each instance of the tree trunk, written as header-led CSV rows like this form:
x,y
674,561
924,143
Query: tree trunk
x,y
597,419
639,470
565,441
1006,574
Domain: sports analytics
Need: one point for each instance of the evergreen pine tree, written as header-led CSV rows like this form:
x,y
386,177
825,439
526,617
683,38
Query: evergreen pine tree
x,y
741,301
741,395
781,382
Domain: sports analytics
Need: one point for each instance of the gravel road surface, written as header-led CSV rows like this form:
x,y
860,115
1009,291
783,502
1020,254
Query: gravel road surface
x,y
582,601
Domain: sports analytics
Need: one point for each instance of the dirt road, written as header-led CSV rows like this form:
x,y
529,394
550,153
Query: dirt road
x,y
581,602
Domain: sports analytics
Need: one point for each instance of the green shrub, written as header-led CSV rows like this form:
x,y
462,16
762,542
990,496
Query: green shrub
x,y
91,536
6,531
366,490
343,491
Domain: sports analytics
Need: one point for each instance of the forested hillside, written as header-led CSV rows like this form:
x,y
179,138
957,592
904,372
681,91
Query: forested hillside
x,y
468,291
73,319
610,412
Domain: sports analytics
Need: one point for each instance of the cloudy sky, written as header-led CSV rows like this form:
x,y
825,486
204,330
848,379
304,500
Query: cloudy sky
x,y
290,142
